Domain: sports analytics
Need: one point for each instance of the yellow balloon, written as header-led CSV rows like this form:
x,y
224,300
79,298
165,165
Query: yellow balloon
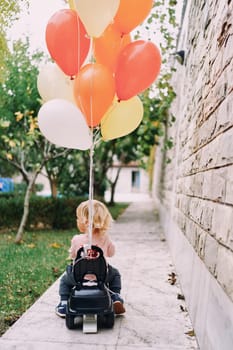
x,y
71,4
96,15
122,118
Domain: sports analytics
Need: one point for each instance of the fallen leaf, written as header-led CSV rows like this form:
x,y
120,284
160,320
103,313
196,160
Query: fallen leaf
x,y
31,245
191,333
180,296
172,278
55,271
55,245
182,308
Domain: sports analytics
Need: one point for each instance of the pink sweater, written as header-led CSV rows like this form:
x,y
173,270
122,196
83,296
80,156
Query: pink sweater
x,y
101,240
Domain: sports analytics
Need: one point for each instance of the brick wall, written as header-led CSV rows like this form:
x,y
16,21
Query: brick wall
x,y
196,188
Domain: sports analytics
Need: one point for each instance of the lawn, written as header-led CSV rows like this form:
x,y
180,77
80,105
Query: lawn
x,y
28,269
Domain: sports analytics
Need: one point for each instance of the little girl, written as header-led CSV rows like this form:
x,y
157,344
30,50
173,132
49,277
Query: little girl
x,y
101,223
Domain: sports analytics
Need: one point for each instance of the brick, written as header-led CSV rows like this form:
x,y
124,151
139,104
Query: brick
x,y
229,185
200,243
214,186
224,270
222,222
211,253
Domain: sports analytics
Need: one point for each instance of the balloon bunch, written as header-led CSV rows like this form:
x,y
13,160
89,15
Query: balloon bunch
x,y
98,71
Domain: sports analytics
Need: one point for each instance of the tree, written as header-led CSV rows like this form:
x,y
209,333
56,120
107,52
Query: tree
x,y
21,142
60,171
18,104
9,11
6,169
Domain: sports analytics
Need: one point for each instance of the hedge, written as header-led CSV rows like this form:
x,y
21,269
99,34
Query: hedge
x,y
54,213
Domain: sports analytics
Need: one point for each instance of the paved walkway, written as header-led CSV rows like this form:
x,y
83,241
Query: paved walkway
x,y
154,319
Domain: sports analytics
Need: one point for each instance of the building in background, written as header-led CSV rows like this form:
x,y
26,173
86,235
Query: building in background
x,y
132,184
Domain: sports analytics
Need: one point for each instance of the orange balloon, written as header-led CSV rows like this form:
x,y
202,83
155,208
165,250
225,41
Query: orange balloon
x,y
108,45
94,90
131,13
138,66
67,41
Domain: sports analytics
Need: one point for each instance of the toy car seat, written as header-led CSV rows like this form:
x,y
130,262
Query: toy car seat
x,y
90,298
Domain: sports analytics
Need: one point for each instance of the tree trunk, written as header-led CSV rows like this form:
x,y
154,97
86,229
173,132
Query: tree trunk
x,y
19,235
113,186
53,186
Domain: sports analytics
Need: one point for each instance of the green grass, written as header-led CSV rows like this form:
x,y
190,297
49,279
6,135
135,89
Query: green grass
x,y
28,269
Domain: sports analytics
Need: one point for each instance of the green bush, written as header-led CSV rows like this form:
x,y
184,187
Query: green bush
x,y
11,209
6,195
55,213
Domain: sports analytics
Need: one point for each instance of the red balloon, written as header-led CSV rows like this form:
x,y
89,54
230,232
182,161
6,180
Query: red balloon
x,y
67,41
94,90
137,68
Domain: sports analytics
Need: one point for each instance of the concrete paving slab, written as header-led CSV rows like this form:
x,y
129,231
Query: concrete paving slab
x,y
153,318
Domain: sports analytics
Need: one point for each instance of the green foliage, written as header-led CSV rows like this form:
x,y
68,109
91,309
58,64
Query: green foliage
x,y
3,53
56,213
9,12
19,106
21,143
6,169
72,173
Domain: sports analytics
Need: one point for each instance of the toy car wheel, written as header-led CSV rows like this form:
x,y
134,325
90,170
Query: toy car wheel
x,y
109,320
70,321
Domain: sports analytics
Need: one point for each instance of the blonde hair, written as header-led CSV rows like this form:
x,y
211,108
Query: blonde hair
x,y
101,216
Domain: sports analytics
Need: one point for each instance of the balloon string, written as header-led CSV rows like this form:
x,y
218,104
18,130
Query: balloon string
x,y
91,183
91,172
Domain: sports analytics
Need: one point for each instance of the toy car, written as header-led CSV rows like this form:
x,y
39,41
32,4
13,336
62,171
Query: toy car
x,y
90,303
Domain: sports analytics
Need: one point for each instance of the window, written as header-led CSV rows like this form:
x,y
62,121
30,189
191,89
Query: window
x,y
135,180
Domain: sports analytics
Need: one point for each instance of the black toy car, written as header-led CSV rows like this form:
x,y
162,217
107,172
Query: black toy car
x,y
90,303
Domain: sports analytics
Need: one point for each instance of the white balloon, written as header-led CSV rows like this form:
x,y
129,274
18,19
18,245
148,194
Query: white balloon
x,y
53,83
63,124
96,15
